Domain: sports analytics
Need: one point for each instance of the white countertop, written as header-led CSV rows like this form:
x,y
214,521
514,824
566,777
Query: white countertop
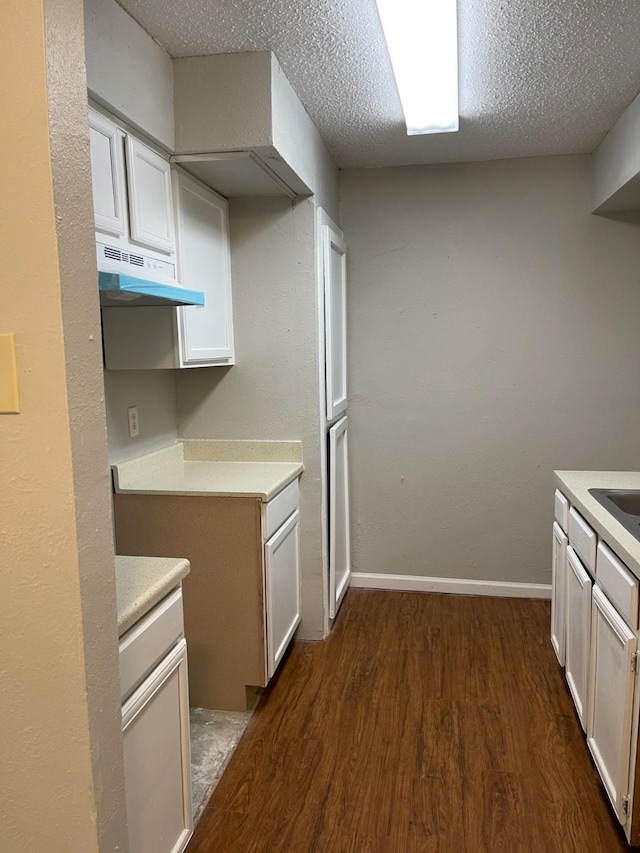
x,y
212,468
575,486
141,582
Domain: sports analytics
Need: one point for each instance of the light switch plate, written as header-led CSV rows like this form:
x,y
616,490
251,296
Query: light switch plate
x,y
9,394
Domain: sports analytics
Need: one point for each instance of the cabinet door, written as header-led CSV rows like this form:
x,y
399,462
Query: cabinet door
x,y
611,688
107,174
206,334
335,312
578,632
150,205
339,537
558,584
282,581
157,761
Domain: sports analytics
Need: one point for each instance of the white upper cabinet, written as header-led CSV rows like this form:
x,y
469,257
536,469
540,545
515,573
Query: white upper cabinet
x,y
335,295
205,334
107,175
132,201
166,339
150,205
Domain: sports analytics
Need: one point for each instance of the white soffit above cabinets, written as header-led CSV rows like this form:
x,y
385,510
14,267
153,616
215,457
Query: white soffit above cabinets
x,y
536,76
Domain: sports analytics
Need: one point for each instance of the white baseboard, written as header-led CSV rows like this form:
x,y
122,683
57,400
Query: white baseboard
x,y
456,586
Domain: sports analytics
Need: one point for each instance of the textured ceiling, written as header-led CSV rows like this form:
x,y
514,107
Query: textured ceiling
x,y
536,76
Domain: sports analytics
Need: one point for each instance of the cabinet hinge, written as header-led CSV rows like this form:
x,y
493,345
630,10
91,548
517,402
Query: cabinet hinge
x,y
625,806
634,662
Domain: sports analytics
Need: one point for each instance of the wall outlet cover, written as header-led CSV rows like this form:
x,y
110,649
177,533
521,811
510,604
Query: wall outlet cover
x,y
134,424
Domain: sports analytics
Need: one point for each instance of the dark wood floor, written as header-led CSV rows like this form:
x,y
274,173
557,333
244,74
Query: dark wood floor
x,y
424,723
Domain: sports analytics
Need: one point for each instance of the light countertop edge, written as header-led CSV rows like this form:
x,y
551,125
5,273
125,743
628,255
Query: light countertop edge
x,y
142,582
575,486
166,472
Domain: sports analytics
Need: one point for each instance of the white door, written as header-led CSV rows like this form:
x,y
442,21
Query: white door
x,y
157,761
578,632
150,205
339,536
107,174
335,312
612,681
282,580
558,584
206,334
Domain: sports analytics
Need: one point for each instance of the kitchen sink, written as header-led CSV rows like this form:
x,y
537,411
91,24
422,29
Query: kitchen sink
x,y
623,504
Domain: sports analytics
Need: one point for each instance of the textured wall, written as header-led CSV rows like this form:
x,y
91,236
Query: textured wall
x,y
492,338
536,76
128,71
223,102
154,393
299,142
69,140
60,736
272,391
244,100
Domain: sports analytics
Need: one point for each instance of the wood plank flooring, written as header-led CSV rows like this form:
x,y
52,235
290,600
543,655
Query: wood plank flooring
x,y
424,724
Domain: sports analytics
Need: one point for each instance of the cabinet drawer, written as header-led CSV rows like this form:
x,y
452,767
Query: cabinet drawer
x,y
144,645
620,586
583,539
278,510
561,510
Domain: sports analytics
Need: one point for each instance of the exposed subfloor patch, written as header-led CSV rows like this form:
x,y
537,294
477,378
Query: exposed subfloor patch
x,y
214,736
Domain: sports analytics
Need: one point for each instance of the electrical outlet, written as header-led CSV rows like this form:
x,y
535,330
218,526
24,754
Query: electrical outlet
x,y
134,426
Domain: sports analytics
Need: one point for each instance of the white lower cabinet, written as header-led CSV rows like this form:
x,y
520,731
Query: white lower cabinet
x,y
155,726
242,597
558,587
282,581
578,634
600,639
612,682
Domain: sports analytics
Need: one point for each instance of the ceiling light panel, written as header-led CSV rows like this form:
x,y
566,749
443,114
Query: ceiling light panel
x,y
422,39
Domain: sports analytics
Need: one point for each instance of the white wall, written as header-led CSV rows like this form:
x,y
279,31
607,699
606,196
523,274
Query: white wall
x,y
244,100
493,337
223,101
297,139
616,162
127,71
154,393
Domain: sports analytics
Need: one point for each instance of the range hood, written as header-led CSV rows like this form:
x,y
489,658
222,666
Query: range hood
x,y
118,288
128,279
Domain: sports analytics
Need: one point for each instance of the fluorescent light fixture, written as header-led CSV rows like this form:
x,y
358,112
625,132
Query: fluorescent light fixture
x,y
422,39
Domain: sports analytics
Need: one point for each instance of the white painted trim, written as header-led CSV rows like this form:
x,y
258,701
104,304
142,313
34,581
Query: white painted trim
x,y
456,586
323,218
